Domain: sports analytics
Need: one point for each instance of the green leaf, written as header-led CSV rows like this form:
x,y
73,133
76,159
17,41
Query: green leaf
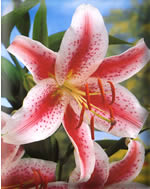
x,y
23,24
10,79
116,41
54,41
28,81
40,32
11,19
45,149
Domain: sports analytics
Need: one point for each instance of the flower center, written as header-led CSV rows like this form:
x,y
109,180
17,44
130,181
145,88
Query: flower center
x,y
83,98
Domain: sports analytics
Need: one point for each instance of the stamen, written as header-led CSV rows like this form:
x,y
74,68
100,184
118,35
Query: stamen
x,y
81,116
87,96
37,178
113,122
101,90
113,92
92,127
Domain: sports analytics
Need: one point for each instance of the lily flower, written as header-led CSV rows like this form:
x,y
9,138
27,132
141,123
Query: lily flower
x,y
116,175
23,173
77,86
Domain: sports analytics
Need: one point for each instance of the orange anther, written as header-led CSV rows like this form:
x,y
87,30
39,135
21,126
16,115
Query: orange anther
x,y
113,122
37,177
87,96
81,116
101,90
92,127
113,92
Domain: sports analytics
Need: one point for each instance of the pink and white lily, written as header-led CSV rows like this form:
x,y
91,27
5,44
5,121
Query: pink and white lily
x,y
76,86
116,175
23,173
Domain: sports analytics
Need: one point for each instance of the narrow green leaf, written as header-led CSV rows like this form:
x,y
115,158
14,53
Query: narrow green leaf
x,y
10,79
54,41
40,32
23,24
11,19
116,41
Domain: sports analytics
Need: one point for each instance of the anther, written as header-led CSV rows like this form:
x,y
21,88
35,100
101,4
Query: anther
x,y
113,92
92,127
81,116
113,121
101,90
37,177
87,96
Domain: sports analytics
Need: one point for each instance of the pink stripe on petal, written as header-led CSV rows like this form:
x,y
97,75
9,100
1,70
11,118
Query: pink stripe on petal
x,y
40,116
83,47
81,139
121,67
22,172
36,57
127,169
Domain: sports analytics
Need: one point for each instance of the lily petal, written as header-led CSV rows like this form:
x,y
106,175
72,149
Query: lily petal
x,y
23,171
19,154
82,142
40,115
9,152
83,47
128,186
39,60
101,170
128,113
100,173
127,169
121,67
60,185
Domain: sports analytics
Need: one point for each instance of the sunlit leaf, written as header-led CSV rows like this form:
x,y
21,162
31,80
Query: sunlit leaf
x,y
11,19
40,32
28,81
116,41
